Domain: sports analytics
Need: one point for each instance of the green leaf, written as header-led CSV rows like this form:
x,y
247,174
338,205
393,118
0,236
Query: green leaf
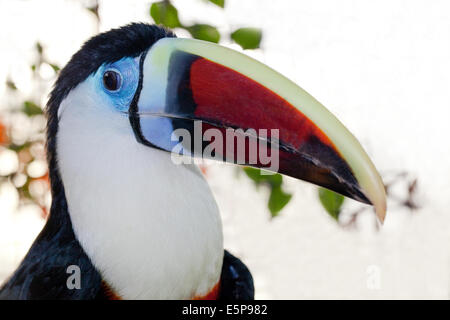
x,y
220,3
94,9
247,38
204,32
19,147
254,174
165,13
331,201
273,180
31,108
55,67
277,200
11,85
39,48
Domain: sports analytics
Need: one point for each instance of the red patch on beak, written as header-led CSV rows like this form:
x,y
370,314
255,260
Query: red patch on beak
x,y
225,96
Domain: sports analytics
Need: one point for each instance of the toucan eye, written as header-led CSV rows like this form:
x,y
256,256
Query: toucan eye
x,y
112,80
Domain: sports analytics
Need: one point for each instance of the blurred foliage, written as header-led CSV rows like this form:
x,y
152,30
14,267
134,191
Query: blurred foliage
x,y
22,132
247,38
204,32
331,201
11,85
165,13
278,198
220,3
31,109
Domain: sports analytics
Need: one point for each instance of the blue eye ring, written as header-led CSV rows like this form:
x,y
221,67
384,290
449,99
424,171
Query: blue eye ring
x,y
112,80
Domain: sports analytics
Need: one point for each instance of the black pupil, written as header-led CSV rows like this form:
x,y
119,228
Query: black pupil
x,y
111,80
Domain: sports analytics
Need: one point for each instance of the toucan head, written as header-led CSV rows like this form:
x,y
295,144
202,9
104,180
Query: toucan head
x,y
141,80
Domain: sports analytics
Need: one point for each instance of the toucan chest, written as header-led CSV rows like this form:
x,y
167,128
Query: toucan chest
x,y
144,221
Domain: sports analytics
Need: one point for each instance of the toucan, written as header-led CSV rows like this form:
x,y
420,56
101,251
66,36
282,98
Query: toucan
x,y
135,223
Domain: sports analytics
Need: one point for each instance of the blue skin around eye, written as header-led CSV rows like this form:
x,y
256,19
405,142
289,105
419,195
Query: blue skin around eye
x,y
129,70
157,130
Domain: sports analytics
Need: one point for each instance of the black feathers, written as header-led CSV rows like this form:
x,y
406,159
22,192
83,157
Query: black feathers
x,y
236,281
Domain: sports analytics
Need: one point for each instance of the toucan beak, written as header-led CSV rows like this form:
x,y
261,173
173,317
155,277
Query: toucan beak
x,y
184,81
